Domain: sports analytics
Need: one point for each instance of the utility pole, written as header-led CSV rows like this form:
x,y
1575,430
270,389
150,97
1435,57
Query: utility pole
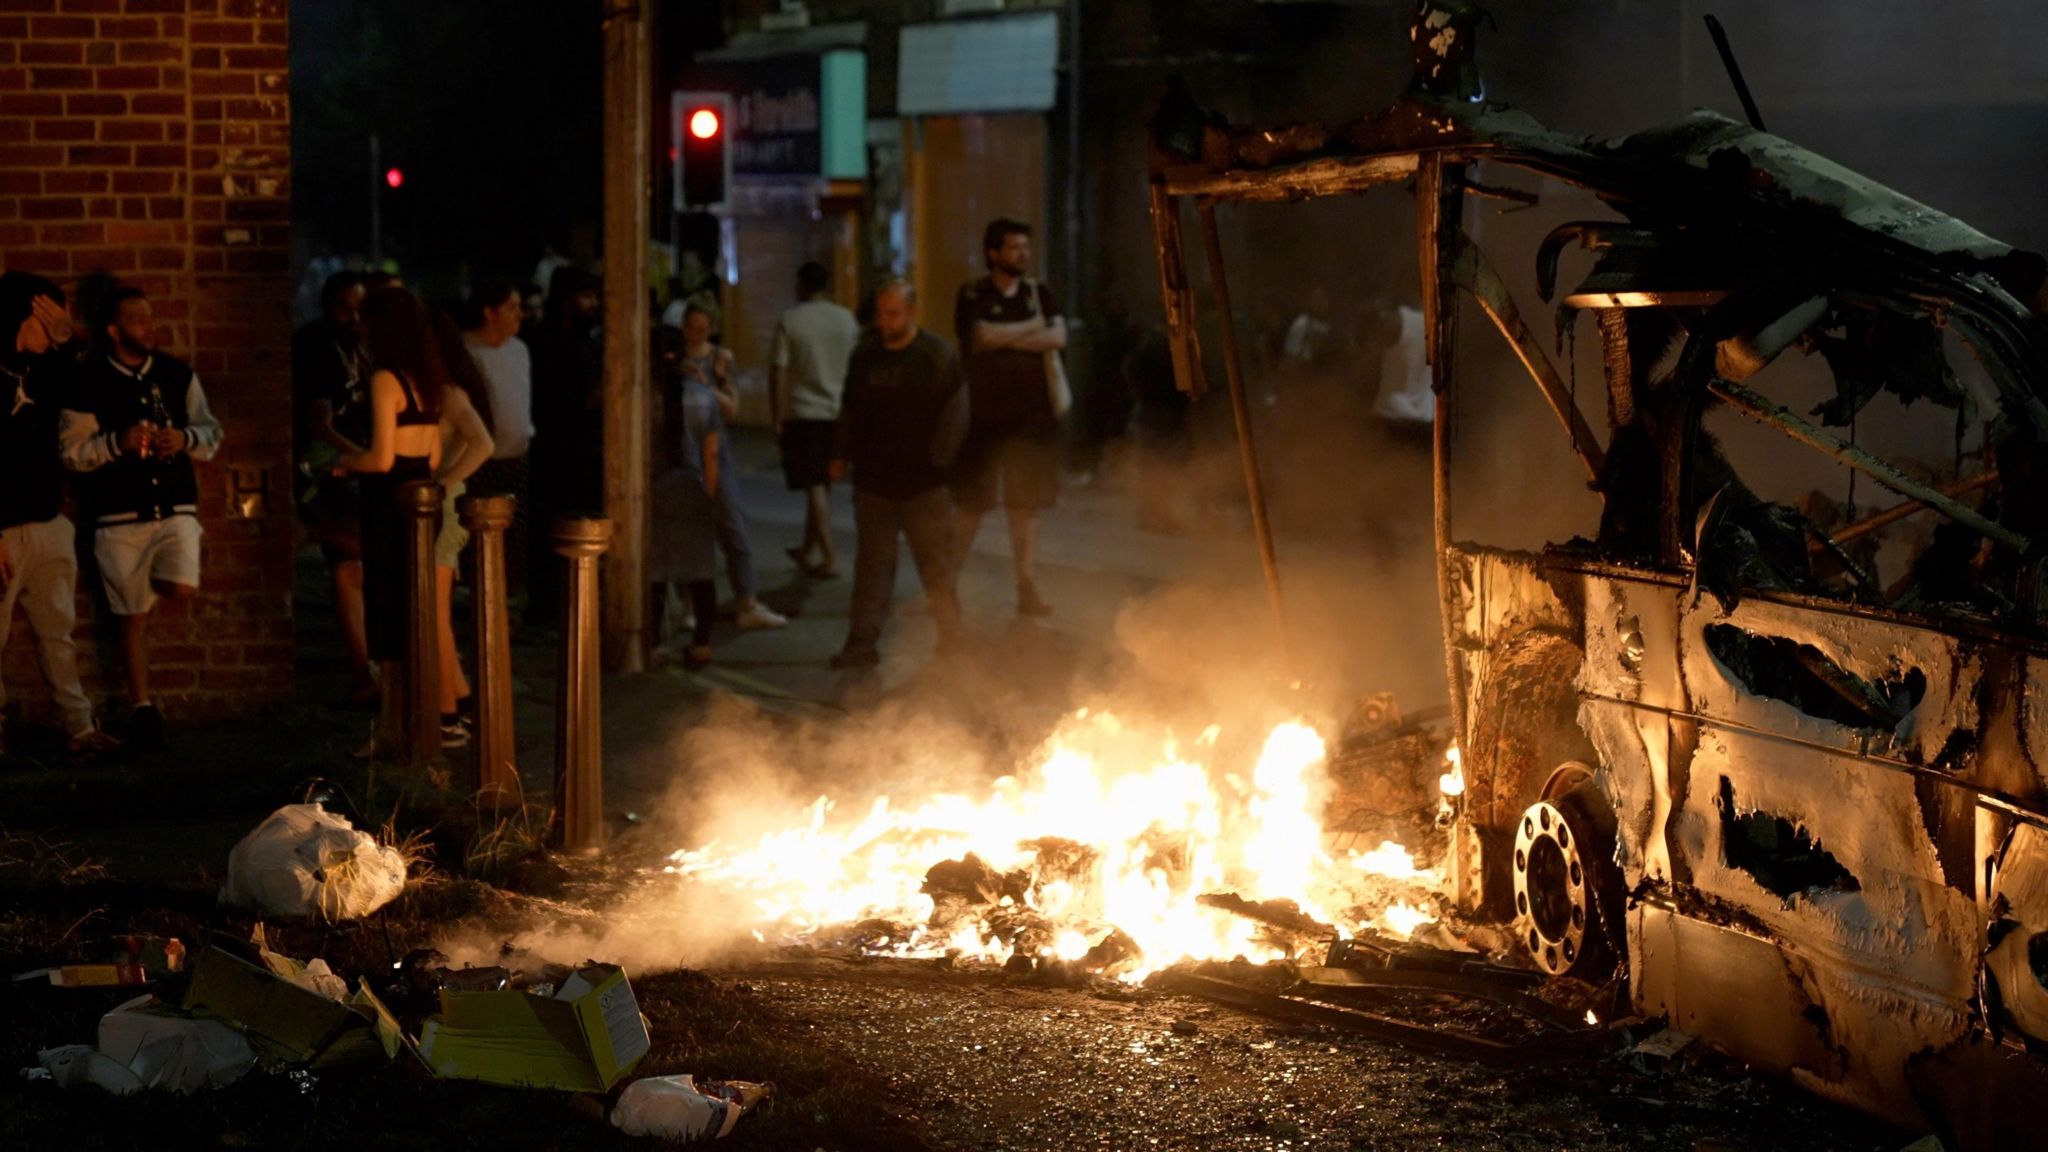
x,y
626,345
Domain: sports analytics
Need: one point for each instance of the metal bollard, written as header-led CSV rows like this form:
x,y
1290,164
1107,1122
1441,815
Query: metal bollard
x,y
497,782
579,748
420,503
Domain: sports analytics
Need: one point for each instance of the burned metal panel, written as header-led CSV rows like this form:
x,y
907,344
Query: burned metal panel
x,y
1773,1004
2016,964
1630,686
1900,659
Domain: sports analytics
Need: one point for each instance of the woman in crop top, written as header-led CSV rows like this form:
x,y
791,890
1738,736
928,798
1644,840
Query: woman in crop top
x,y
405,446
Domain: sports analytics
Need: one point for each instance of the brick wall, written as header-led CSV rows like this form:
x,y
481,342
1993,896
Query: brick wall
x,y
150,139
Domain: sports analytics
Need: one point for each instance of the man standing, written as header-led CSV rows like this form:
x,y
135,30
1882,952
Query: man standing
x,y
491,324
813,343
135,424
38,554
901,422
331,415
1006,324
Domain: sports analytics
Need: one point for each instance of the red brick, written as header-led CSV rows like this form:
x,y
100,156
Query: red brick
x,y
166,207
131,130
149,52
131,77
274,32
45,260
13,28
99,52
144,182
107,259
52,208
91,5
95,104
17,235
268,108
166,259
73,234
108,155
159,104
273,58
13,79
101,207
128,28
61,28
48,78
159,156
206,58
29,5
30,156
9,54
222,32
15,131
66,181
141,233
52,52
64,129
20,183
134,6
223,84
30,104
206,109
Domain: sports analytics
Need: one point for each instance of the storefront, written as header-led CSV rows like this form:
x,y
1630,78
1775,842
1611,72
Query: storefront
x,y
799,183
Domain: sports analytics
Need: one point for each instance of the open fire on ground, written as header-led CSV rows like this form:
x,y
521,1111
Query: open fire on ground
x,y
1121,851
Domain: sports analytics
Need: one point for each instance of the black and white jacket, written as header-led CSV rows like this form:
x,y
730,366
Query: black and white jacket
x,y
110,397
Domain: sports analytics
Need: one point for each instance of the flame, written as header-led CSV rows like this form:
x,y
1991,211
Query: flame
x,y
1112,831
1452,782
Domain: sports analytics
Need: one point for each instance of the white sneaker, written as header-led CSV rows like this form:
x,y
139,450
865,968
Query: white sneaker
x,y
759,616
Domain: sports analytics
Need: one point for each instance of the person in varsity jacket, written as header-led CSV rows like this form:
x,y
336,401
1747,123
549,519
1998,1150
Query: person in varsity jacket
x,y
135,422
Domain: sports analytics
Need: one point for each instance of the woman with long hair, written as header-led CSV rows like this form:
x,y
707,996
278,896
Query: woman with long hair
x,y
466,444
408,383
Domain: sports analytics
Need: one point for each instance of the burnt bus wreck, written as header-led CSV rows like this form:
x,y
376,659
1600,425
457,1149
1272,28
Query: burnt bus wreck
x,y
1803,807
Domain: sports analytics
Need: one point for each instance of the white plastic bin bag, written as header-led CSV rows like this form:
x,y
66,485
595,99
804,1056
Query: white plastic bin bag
x,y
304,860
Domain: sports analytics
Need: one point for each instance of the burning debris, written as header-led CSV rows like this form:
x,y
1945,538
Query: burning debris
x,y
1121,852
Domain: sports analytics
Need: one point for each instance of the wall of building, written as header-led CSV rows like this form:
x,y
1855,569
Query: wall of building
x,y
150,140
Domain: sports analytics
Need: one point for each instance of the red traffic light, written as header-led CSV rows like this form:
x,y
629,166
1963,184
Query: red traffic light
x,y
704,123
394,177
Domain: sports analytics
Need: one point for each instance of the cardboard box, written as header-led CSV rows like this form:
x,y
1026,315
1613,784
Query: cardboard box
x,y
585,1038
284,1022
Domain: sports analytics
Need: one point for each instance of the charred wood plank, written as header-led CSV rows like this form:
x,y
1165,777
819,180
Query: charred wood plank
x,y
1413,1036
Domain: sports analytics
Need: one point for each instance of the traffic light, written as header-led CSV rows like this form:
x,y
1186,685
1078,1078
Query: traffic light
x,y
703,149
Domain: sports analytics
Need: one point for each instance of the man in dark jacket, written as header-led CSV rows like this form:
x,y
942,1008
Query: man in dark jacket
x,y
901,421
38,554
132,428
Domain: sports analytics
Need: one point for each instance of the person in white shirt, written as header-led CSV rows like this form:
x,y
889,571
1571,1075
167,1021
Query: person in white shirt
x,y
491,320
813,342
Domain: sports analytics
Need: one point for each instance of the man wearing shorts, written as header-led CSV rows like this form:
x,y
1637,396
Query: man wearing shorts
x,y
1005,325
813,342
38,551
135,423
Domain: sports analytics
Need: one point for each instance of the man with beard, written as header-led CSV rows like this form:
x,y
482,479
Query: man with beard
x,y
38,553
1006,324
135,423
331,409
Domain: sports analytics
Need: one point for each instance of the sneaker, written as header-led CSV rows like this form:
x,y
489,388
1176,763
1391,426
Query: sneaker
x,y
1030,603
757,616
89,745
853,659
697,656
455,733
146,729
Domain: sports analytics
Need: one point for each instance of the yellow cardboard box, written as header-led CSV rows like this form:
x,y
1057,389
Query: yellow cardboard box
x,y
585,1038
249,987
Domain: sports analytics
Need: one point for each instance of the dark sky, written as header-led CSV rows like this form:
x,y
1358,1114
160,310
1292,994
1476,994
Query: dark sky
x,y
491,110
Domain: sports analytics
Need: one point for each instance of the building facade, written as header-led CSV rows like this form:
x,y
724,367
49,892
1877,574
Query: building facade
x,y
149,140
